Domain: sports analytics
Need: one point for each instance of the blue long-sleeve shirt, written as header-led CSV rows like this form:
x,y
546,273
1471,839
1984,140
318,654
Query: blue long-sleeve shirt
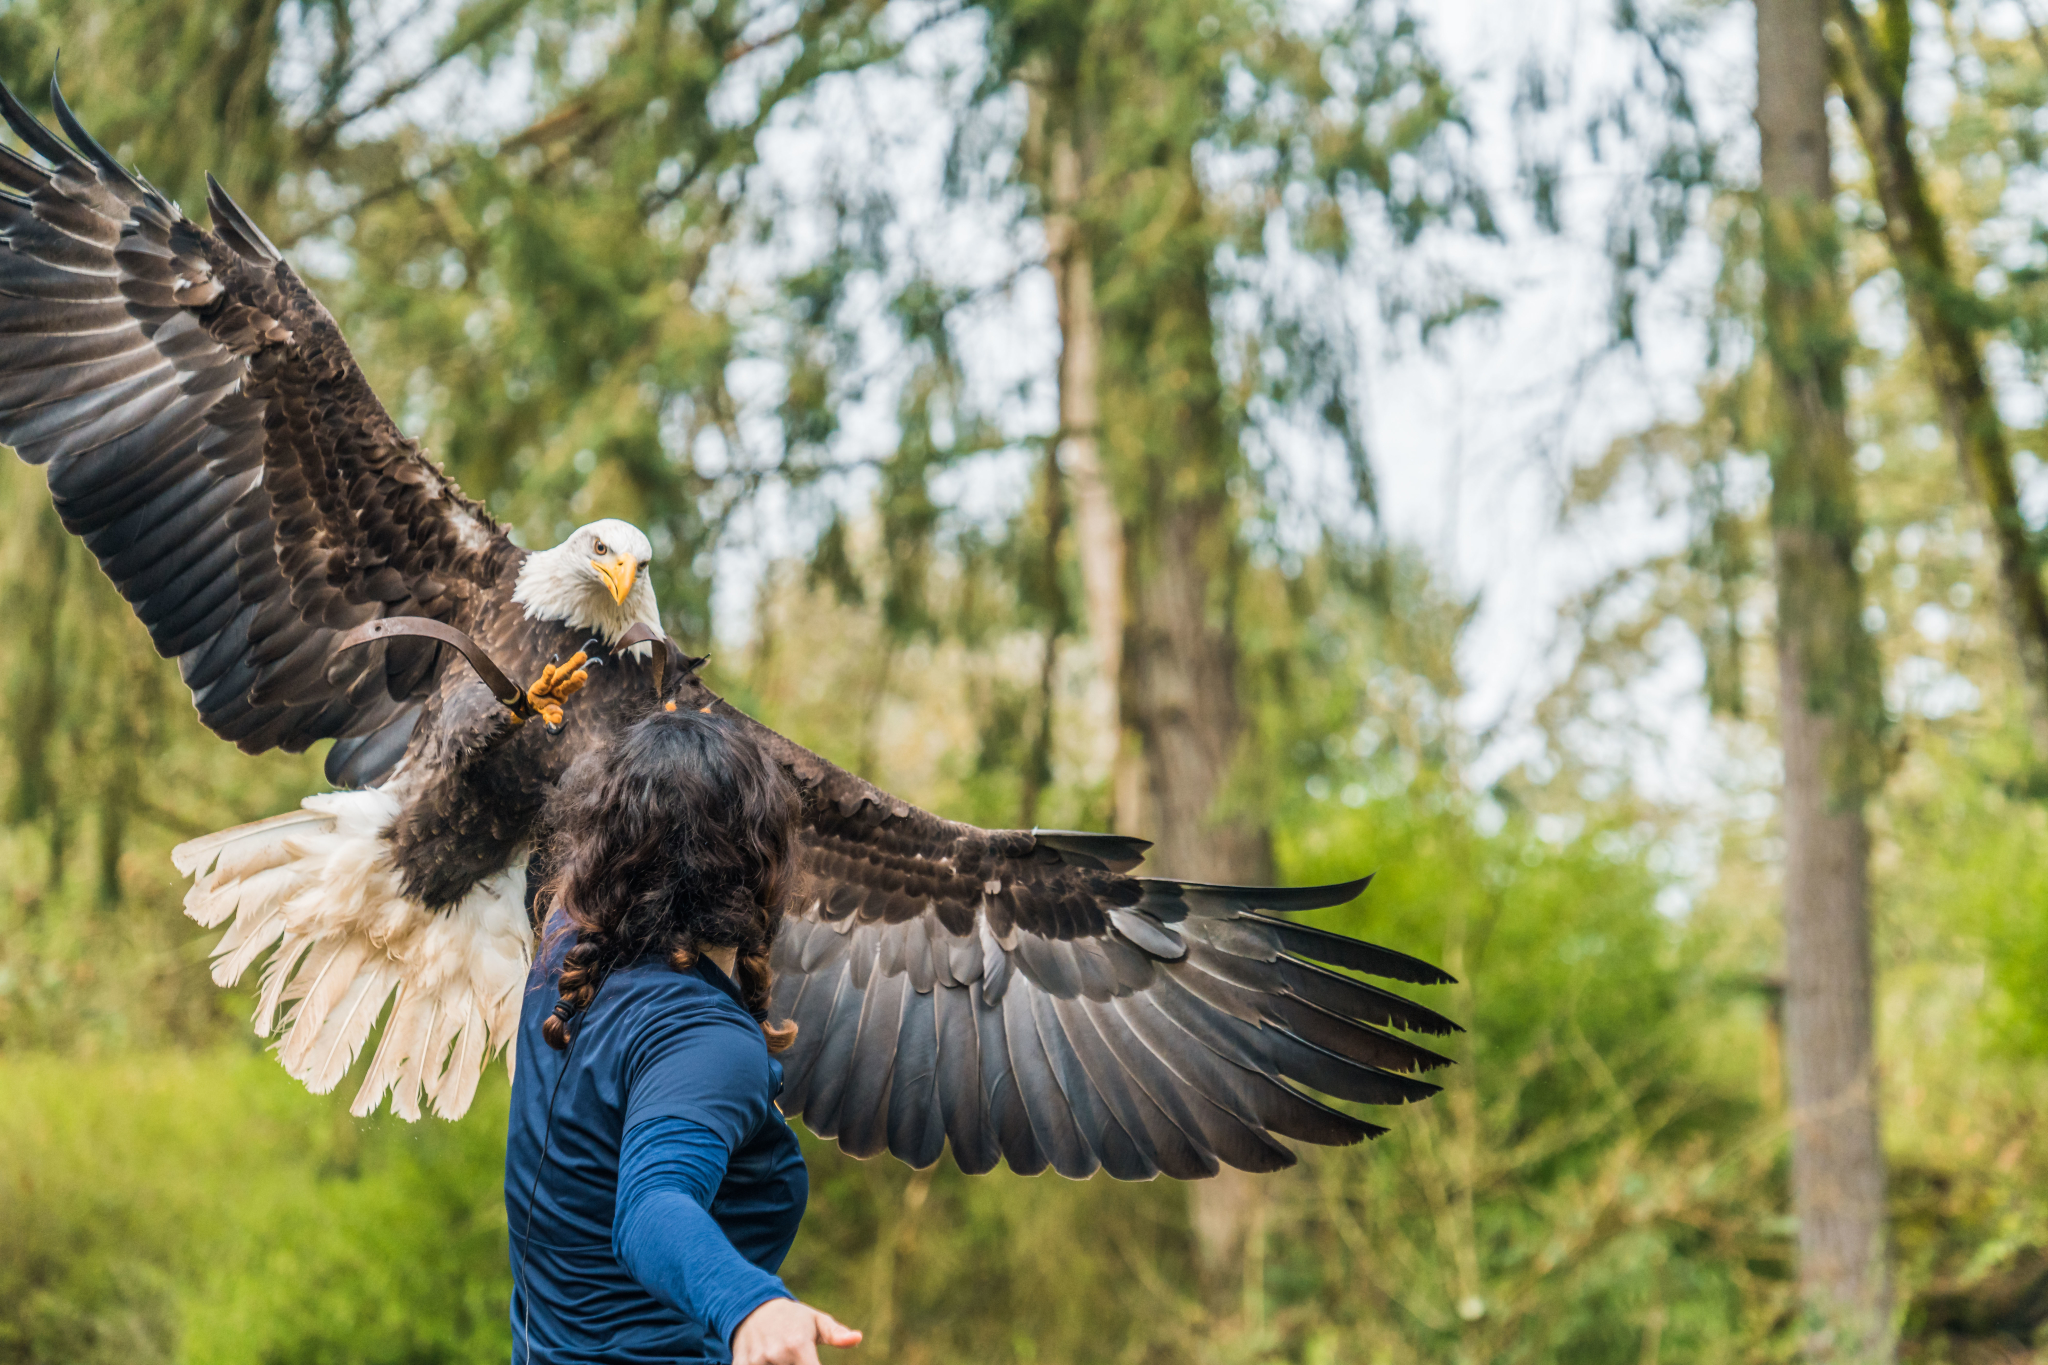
x,y
663,1122
665,1236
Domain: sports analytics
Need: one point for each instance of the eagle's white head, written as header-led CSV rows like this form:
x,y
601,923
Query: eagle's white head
x,y
591,581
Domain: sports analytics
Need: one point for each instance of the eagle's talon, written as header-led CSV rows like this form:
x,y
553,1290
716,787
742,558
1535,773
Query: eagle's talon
x,y
558,682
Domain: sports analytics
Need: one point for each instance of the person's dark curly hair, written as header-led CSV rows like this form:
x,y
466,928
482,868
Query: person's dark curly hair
x,y
679,834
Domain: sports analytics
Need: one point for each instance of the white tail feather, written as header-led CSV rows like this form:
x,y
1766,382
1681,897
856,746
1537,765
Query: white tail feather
x,y
277,974
195,855
248,938
400,1059
465,1068
330,971
412,1074
316,889
346,1027
439,1041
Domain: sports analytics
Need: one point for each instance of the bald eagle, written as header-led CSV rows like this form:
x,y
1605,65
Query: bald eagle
x,y
1014,993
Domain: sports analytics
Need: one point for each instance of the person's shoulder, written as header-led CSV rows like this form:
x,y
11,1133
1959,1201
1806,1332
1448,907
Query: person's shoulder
x,y
655,976
657,989
680,1026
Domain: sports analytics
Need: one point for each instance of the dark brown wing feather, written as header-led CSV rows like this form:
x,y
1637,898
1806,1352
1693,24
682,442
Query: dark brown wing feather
x,y
207,433
1015,993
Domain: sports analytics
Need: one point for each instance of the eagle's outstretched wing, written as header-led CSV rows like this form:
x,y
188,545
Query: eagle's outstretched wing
x,y
1015,993
208,434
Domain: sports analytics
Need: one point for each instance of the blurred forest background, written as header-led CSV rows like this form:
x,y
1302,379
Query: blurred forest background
x,y
991,379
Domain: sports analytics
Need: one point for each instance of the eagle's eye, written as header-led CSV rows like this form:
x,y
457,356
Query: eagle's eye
x,y
599,547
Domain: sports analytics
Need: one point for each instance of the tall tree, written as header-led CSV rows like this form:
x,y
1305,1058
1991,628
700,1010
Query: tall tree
x,y
1146,441
1830,710
1871,64
1057,162
1126,101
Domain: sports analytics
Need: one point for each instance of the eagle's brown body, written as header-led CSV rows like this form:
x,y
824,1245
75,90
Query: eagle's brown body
x,y
476,780
1013,993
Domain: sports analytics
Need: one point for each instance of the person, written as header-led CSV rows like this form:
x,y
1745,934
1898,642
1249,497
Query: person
x,y
651,1185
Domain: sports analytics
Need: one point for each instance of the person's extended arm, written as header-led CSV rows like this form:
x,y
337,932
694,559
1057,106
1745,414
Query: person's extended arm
x,y
663,1232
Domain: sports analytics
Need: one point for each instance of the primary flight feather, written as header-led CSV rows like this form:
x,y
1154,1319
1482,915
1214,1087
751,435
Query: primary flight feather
x,y
1015,994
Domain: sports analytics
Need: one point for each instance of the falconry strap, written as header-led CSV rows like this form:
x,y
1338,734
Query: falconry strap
x,y
425,627
503,688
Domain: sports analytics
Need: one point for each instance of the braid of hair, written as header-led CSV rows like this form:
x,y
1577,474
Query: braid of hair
x,y
756,980
580,972
764,920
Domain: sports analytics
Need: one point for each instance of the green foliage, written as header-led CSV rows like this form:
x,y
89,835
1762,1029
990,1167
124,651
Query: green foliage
x,y
200,1206
1560,1200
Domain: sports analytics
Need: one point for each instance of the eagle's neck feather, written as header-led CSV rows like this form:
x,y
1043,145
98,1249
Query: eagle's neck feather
x,y
555,586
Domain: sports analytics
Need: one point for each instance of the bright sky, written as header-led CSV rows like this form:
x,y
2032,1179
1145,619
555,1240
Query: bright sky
x,y
1475,443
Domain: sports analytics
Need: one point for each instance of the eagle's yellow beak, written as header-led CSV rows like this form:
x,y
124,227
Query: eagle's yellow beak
x,y
617,573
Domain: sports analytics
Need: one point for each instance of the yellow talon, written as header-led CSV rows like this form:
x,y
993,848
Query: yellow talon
x,y
558,683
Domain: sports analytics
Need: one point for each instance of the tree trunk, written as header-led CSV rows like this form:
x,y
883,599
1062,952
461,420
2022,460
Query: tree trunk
x,y
1830,708
1098,529
1170,456
1150,458
1038,756
1872,78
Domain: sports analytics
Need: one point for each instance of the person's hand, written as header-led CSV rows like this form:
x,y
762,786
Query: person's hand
x,y
785,1332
